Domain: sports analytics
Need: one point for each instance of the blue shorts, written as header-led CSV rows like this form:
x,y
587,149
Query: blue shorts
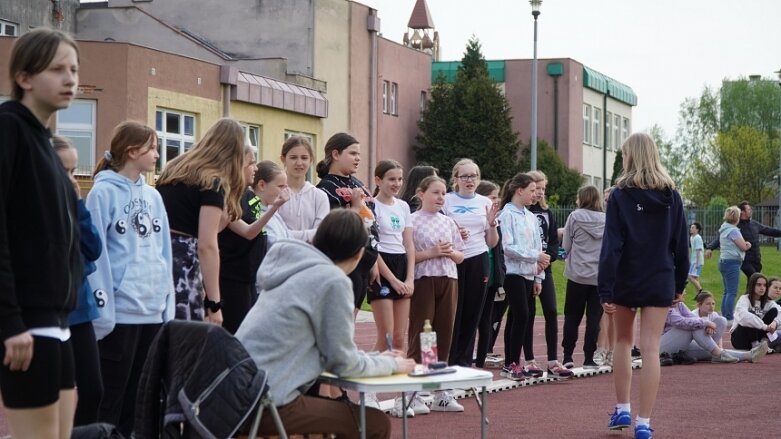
x,y
695,270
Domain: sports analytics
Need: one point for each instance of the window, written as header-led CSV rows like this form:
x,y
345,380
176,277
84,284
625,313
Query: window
x,y
587,124
77,123
617,132
625,132
311,138
598,183
252,136
8,28
176,132
597,127
384,96
394,97
609,130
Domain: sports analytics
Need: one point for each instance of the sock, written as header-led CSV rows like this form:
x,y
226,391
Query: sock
x,y
624,408
643,421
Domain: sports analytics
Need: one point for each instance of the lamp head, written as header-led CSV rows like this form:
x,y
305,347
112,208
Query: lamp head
x,y
535,7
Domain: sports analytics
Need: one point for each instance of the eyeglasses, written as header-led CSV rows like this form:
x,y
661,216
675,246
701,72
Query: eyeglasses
x,y
469,177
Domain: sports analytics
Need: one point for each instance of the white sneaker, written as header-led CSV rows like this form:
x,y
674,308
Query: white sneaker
x,y
396,410
371,400
444,402
418,406
608,359
599,358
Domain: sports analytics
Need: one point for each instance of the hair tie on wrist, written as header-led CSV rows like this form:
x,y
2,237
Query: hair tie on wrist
x,y
107,155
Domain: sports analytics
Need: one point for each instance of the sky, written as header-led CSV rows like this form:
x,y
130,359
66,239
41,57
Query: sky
x,y
666,50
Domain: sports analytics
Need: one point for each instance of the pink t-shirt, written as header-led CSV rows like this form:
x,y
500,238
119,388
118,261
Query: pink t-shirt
x,y
428,230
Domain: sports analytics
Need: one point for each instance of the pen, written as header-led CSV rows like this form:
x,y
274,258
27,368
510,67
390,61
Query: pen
x,y
389,340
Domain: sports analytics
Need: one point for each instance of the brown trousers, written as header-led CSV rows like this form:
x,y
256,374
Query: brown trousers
x,y
314,415
435,299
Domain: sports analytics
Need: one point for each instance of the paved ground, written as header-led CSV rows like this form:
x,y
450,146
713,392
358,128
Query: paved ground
x,y
698,401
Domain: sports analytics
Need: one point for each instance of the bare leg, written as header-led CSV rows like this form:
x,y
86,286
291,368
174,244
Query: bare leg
x,y
400,322
67,409
624,321
383,320
35,423
651,324
695,280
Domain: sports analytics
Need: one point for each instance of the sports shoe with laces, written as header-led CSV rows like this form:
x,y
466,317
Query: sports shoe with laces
x,y
590,366
513,372
396,410
619,420
599,357
636,353
758,351
418,406
372,401
608,361
532,370
665,359
444,402
643,432
724,357
681,357
559,371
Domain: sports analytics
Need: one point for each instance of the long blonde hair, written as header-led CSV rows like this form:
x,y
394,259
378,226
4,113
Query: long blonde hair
x,y
217,159
644,168
538,176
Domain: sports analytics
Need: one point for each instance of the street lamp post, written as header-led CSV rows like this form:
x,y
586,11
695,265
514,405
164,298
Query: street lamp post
x,y
535,13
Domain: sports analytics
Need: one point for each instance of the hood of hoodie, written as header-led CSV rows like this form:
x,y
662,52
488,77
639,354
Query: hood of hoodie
x,y
725,225
591,222
652,201
119,180
18,109
286,259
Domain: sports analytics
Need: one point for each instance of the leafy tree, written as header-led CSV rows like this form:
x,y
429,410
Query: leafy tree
x,y
563,182
672,157
470,118
618,167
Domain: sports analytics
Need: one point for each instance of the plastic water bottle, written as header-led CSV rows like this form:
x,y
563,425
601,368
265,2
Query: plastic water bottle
x,y
428,345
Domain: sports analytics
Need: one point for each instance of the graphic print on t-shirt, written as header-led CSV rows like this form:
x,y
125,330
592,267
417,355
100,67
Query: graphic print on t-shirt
x,y
542,219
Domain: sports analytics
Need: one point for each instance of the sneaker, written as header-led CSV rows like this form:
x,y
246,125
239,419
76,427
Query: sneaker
x,y
396,410
724,357
591,366
665,359
418,406
758,351
559,371
372,401
681,357
599,358
532,370
619,420
513,372
636,353
643,432
608,359
569,364
444,402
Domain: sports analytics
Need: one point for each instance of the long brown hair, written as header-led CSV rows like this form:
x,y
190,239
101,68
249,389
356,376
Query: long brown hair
x,y
128,136
382,168
216,160
33,52
520,181
590,198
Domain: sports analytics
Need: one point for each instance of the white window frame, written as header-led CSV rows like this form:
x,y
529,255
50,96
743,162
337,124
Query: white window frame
x,y
385,91
253,140
587,124
86,162
186,141
394,99
609,130
625,129
597,122
5,24
617,131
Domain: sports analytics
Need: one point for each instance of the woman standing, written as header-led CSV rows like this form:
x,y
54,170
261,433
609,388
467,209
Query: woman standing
x,y
733,250
644,263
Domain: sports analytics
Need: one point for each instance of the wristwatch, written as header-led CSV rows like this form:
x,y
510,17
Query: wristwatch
x,y
211,305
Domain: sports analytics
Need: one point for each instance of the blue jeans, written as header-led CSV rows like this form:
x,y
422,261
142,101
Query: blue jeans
x,y
730,275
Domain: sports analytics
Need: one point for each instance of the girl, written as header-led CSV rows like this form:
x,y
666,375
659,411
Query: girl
x,y
733,250
438,250
342,156
414,177
643,264
85,347
496,305
698,334
774,294
296,337
582,241
696,255
476,217
196,187
550,244
133,282
307,206
525,261
270,186
757,317
38,210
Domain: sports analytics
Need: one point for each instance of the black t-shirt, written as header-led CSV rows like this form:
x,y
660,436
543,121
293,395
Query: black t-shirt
x,y
240,257
183,204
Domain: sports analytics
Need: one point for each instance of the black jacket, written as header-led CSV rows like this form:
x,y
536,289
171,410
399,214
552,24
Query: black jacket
x,y
549,232
750,230
40,265
206,378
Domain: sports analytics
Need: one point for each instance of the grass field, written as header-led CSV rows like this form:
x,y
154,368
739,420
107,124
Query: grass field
x,y
710,279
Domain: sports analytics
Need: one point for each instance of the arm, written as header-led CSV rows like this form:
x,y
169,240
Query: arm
x,y
768,231
566,241
170,303
685,320
742,244
553,238
11,322
513,249
209,255
491,235
89,239
102,281
409,248
680,246
744,317
612,249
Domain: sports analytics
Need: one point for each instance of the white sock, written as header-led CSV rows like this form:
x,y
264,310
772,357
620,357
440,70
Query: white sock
x,y
624,407
643,421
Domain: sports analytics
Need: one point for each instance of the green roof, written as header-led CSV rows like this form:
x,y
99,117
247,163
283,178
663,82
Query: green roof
x,y
450,68
601,83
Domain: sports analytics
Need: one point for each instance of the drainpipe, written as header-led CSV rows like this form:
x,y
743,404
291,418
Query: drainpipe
x,y
604,139
373,26
226,100
555,113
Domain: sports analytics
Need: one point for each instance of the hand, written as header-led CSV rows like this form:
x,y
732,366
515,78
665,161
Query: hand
x,y
399,286
710,328
356,198
537,289
678,298
18,351
608,308
748,245
544,259
214,317
708,253
464,232
404,365
374,274
772,326
410,283
282,198
442,249
540,268
490,214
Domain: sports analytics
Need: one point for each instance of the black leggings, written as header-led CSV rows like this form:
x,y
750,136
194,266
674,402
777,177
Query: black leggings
x,y
743,336
237,299
548,301
89,386
581,299
485,333
518,290
472,283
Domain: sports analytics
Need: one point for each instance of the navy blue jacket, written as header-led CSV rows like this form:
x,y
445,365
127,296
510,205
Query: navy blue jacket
x,y
90,246
645,250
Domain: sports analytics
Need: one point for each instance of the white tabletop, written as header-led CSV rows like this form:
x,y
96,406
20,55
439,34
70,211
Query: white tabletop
x,y
463,377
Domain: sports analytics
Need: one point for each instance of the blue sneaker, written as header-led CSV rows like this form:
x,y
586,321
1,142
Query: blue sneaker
x,y
619,420
643,432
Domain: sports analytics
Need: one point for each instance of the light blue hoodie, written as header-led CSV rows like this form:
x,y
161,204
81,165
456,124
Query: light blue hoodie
x,y
133,283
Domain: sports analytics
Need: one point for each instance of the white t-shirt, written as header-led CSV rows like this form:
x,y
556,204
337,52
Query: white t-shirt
x,y
392,219
695,242
470,213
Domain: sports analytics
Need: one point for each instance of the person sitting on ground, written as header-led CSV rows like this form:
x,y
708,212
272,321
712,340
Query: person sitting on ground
x,y
757,318
296,337
697,336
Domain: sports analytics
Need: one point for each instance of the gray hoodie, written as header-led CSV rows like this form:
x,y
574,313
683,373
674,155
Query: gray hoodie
x,y
302,323
583,242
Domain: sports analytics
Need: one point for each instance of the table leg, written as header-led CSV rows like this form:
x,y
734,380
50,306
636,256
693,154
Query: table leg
x,y
403,415
483,413
363,415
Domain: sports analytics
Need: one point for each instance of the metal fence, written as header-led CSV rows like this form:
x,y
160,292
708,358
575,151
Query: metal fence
x,y
710,218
